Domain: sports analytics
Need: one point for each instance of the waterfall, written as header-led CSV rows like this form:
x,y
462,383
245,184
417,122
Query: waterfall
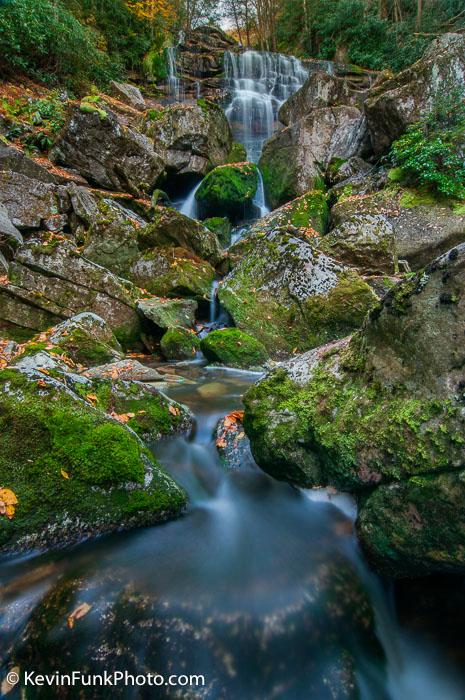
x,y
174,82
189,207
259,199
260,83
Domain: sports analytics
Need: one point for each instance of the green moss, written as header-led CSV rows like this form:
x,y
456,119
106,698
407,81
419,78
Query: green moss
x,y
46,435
233,348
229,189
237,154
221,226
179,344
89,106
413,198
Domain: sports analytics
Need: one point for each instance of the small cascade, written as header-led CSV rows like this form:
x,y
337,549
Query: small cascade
x,y
189,206
259,199
174,82
214,303
260,83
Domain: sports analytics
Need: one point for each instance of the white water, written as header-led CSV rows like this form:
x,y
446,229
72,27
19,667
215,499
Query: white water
x,y
189,207
174,82
260,83
259,199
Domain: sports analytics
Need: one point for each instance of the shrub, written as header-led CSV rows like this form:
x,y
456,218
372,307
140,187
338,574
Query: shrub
x,y
431,152
45,40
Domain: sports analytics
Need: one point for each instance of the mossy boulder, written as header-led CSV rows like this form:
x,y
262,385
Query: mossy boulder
x,y
381,414
237,154
170,227
234,348
179,344
173,272
166,313
289,295
310,212
222,227
229,189
84,339
422,225
73,470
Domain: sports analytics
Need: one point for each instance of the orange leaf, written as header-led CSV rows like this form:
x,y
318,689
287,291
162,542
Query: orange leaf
x,y
64,474
79,612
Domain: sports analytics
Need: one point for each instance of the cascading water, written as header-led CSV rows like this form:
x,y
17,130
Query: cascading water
x,y
174,82
259,83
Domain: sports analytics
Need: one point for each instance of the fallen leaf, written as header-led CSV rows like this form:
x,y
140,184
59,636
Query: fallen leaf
x,y
173,410
64,474
8,501
92,398
41,382
79,612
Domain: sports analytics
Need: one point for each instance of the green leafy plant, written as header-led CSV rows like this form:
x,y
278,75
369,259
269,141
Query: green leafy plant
x,y
431,153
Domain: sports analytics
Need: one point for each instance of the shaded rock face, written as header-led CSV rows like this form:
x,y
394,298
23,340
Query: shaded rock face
x,y
382,413
229,189
75,472
108,153
399,101
10,237
191,138
49,281
422,226
166,313
295,159
319,90
289,295
31,204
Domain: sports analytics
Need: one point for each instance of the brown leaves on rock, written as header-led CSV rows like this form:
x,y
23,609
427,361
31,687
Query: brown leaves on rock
x,y
8,503
232,423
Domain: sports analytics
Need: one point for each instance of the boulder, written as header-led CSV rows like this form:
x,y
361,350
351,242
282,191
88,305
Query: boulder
x,y
366,242
173,272
295,159
128,93
401,100
166,313
179,343
14,160
201,55
289,295
191,138
70,471
30,203
85,339
10,237
234,348
229,189
310,212
319,90
102,148
125,370
232,443
170,227
382,414
221,226
423,226
50,281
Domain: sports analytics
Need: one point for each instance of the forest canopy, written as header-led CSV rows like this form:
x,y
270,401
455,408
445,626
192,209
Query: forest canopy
x,y
94,41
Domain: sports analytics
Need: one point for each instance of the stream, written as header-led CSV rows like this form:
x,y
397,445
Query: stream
x,y
260,587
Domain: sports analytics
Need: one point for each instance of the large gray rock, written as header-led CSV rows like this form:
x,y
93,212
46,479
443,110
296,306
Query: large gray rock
x,y
319,90
288,294
422,226
31,203
382,414
295,159
86,339
191,138
49,283
395,103
128,93
166,313
107,152
10,237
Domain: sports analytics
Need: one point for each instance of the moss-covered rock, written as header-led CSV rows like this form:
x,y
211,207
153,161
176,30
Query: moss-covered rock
x,y
310,212
422,226
237,154
169,227
173,272
289,295
74,471
385,407
222,227
166,313
229,189
234,348
85,339
179,344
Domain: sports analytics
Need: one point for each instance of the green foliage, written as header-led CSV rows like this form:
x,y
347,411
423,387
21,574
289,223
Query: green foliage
x,y
430,153
45,40
46,114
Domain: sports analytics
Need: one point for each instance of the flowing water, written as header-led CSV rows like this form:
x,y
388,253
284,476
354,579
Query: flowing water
x,y
173,80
